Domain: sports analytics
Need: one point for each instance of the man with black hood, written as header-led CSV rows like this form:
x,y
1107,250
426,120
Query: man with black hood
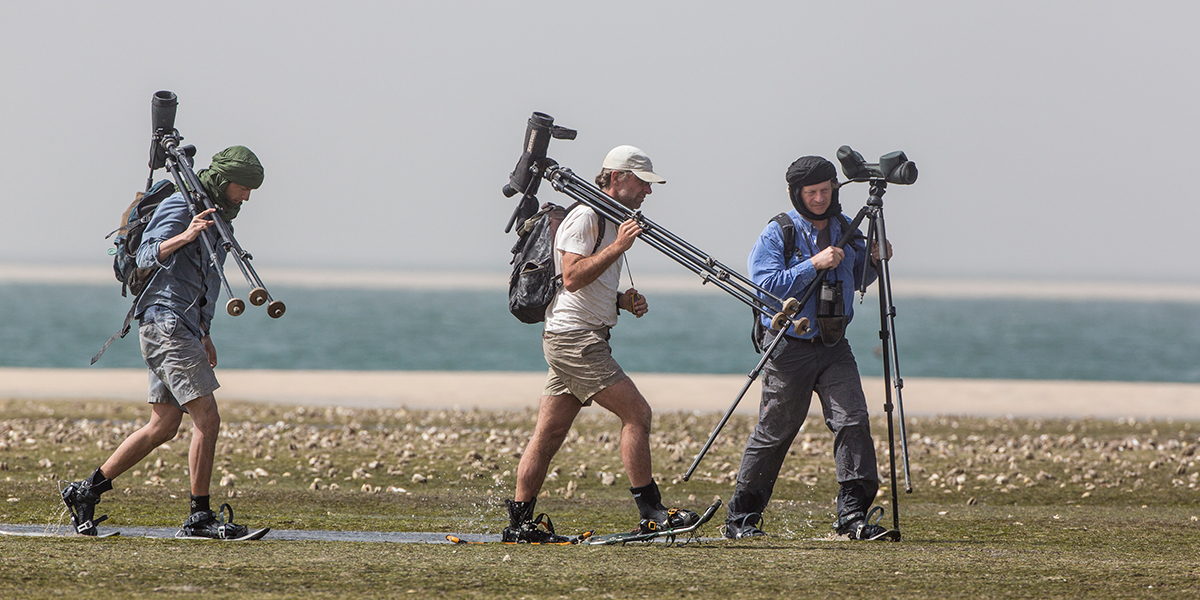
x,y
174,314
785,262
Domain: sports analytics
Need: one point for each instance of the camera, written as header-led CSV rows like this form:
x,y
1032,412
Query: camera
x,y
893,167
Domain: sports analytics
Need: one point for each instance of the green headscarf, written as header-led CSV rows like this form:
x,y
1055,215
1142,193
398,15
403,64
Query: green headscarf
x,y
235,164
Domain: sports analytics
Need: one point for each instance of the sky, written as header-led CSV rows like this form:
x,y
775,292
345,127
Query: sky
x,y
1055,140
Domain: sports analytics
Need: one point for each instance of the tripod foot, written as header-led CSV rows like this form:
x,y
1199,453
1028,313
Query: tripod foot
x,y
791,306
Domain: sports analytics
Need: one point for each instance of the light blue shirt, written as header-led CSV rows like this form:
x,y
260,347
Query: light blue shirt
x,y
787,277
187,284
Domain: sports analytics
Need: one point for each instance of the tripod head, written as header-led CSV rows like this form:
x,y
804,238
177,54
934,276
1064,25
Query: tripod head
x,y
893,167
527,175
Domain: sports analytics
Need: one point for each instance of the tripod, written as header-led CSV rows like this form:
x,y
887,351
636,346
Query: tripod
x,y
165,152
877,234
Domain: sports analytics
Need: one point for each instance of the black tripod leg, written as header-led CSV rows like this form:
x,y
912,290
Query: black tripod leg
x,y
728,413
887,405
887,337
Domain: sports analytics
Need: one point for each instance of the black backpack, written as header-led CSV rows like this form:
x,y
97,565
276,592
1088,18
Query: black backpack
x,y
533,283
129,238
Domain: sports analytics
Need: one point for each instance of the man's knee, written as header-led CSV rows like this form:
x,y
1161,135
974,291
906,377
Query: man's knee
x,y
851,420
555,433
164,427
205,416
637,412
645,414
556,414
625,401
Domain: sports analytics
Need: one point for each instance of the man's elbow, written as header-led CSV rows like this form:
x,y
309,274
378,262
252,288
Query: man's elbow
x,y
572,284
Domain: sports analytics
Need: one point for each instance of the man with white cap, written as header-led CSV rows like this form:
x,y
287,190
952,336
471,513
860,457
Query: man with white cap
x,y
582,369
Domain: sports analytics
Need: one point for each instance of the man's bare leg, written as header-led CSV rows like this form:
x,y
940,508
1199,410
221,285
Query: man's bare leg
x,y
624,400
163,425
555,416
206,422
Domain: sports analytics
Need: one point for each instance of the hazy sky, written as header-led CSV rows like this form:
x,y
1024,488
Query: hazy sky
x,y
1054,139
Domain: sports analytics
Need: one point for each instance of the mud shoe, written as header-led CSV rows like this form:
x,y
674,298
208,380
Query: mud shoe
x,y
537,531
212,525
744,528
81,498
858,526
671,518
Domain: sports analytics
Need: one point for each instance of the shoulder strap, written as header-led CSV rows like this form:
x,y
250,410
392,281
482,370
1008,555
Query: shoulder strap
x,y
124,327
599,234
789,233
600,230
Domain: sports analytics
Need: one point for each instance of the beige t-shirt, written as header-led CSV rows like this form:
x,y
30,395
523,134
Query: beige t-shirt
x,y
595,305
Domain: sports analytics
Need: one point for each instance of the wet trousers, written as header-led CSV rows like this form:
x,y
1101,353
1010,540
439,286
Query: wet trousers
x,y
789,379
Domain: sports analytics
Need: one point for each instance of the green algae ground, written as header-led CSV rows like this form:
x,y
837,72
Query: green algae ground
x,y
1000,508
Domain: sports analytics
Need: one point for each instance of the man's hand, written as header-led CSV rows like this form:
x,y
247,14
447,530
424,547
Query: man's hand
x,y
199,223
634,302
626,234
828,258
210,350
579,271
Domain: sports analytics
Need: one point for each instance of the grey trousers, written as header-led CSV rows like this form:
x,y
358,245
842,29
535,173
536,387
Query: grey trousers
x,y
798,369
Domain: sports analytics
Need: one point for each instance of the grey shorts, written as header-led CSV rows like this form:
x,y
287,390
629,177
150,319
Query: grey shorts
x,y
179,369
581,363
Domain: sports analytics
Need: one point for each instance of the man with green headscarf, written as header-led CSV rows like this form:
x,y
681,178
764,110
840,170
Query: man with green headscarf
x,y
174,313
235,165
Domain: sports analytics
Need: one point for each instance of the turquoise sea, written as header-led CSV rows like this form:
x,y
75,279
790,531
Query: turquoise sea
x,y
51,325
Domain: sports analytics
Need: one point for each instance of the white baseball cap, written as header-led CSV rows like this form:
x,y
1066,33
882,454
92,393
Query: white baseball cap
x,y
628,158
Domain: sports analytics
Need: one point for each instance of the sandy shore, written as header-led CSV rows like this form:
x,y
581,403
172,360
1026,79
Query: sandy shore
x,y
100,273
666,392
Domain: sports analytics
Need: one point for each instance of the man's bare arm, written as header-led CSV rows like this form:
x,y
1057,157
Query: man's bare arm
x,y
579,270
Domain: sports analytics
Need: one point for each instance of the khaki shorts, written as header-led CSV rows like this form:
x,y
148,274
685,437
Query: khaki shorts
x,y
581,363
179,369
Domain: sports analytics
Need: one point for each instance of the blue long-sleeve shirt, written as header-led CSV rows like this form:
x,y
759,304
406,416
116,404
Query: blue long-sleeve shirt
x,y
186,283
787,277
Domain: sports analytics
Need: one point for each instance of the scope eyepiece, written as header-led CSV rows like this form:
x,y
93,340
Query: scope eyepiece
x,y
854,166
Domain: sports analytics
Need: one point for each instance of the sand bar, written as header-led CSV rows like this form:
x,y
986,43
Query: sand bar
x,y
666,392
100,273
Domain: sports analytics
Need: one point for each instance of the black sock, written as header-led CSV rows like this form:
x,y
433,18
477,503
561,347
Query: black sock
x,y
200,504
649,500
98,483
520,512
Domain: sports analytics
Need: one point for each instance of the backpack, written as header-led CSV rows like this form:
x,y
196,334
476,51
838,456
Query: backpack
x,y
533,283
129,238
